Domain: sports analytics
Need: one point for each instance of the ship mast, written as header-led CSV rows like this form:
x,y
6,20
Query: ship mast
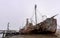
x,y
8,26
35,14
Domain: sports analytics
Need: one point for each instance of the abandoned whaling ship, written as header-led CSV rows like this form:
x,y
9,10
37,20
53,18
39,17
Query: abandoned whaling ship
x,y
49,25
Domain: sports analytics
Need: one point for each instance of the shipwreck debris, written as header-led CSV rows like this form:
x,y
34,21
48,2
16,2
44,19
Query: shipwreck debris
x,y
47,26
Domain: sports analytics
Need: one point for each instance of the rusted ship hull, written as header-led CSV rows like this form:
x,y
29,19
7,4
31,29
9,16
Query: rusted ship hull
x,y
47,26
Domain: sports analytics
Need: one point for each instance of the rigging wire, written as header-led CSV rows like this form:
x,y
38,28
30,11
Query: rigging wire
x,y
43,16
34,15
38,13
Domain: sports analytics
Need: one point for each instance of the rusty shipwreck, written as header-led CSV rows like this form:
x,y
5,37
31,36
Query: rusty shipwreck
x,y
49,25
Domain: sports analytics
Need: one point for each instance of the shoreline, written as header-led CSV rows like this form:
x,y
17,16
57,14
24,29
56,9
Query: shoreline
x,y
56,35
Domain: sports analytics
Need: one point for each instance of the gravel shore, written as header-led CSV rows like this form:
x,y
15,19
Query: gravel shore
x,y
56,35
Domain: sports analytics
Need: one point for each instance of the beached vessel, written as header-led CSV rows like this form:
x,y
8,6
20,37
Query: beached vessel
x,y
47,26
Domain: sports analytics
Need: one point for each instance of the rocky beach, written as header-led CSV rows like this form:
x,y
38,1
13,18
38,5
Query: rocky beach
x,y
56,35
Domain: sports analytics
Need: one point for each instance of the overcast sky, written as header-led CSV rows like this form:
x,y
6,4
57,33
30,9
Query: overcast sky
x,y
16,11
